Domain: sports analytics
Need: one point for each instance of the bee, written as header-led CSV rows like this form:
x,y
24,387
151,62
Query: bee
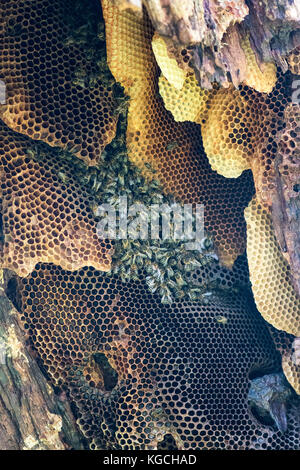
x,y
96,184
172,285
73,148
93,80
108,81
90,53
195,294
126,258
172,145
151,284
94,208
101,35
80,82
166,299
63,177
102,64
122,106
69,41
149,167
207,243
31,153
179,279
157,413
121,179
14,30
118,143
34,153
157,273
222,320
126,244
170,272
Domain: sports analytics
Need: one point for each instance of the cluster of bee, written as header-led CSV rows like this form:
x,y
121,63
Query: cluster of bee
x,y
163,263
90,33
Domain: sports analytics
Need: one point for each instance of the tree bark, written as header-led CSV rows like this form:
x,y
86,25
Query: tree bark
x,y
285,197
216,30
32,417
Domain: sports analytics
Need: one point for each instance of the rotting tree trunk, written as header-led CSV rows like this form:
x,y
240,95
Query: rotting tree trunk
x,y
285,197
216,31
32,417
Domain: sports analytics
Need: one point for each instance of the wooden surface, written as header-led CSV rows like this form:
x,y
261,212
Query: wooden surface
x,y
31,415
217,28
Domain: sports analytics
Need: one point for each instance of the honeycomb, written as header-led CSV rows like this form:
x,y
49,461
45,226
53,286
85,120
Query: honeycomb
x,y
180,371
129,50
270,277
284,343
228,132
294,61
263,78
173,149
190,103
40,65
46,212
168,65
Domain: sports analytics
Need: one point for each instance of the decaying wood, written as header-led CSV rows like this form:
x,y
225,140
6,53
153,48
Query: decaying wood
x,y
32,417
195,21
286,194
217,28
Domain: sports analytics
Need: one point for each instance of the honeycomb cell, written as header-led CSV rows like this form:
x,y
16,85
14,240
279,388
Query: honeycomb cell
x,y
181,372
168,65
270,277
42,66
46,212
173,149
